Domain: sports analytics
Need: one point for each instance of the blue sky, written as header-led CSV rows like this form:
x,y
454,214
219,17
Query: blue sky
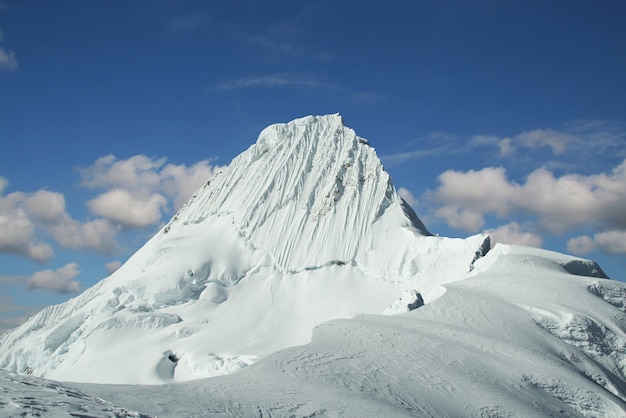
x,y
500,116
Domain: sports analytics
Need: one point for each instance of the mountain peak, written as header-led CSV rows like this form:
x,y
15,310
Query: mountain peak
x,y
303,227
305,181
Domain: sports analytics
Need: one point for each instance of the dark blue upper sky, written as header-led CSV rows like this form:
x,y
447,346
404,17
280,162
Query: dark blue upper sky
x,y
501,116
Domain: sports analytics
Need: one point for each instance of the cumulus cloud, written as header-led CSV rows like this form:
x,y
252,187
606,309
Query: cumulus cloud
x,y
98,235
17,230
583,244
612,242
512,233
44,206
17,236
113,266
127,209
138,190
559,204
27,218
134,194
59,280
461,218
179,182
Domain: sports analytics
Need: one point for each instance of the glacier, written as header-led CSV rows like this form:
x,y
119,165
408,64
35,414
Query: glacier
x,y
265,295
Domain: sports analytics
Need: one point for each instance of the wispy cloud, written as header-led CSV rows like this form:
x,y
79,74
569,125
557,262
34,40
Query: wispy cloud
x,y
8,61
403,157
285,38
275,80
581,145
188,24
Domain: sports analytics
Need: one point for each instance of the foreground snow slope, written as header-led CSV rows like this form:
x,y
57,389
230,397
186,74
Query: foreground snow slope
x,y
303,227
522,336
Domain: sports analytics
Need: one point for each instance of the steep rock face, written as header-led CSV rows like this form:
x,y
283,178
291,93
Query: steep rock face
x,y
303,227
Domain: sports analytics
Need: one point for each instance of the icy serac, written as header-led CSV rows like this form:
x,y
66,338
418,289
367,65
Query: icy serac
x,y
303,227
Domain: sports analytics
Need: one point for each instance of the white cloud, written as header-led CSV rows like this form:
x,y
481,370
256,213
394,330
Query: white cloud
x,y
611,242
275,80
113,266
97,235
17,231
179,182
408,196
7,60
27,217
44,206
513,234
583,244
138,173
505,147
59,280
17,237
557,141
127,209
558,203
402,157
139,190
461,218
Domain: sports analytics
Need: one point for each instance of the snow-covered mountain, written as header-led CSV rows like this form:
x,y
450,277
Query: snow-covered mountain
x,y
303,227
275,261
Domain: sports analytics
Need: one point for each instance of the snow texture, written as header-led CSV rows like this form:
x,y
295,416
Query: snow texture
x,y
279,270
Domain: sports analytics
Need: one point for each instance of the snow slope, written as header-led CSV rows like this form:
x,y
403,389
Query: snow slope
x,y
303,227
522,336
